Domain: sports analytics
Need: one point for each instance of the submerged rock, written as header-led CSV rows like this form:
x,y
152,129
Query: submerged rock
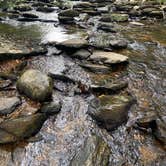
x,y
160,130
108,57
51,108
35,85
110,111
8,105
95,152
18,129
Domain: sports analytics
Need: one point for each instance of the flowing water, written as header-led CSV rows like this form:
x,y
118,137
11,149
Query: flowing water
x,y
71,132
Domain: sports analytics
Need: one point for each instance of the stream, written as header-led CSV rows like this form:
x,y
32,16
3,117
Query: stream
x,y
72,137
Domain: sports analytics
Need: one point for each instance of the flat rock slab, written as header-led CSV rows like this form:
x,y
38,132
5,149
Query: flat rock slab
x,y
108,57
75,43
8,105
7,53
96,68
13,130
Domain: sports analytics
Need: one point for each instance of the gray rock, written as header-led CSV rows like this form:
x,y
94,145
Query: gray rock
x,y
6,53
8,105
45,9
108,27
110,111
101,40
160,130
81,54
109,88
118,44
23,7
4,84
35,85
67,16
95,152
13,130
51,108
75,43
108,57
96,68
114,17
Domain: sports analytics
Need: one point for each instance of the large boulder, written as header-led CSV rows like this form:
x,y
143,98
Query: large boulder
x,y
35,85
8,104
110,111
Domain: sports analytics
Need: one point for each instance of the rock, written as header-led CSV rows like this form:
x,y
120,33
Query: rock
x,y
4,84
83,5
8,105
7,76
13,130
6,54
29,15
70,44
83,17
95,152
160,130
96,68
45,9
35,85
126,7
108,27
114,17
101,40
118,44
110,111
157,13
67,16
86,7
136,23
81,54
51,108
104,9
108,57
109,88
23,7
119,17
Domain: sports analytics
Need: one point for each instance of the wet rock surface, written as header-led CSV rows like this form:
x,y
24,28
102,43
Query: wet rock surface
x,y
110,111
8,105
35,85
85,47
20,128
